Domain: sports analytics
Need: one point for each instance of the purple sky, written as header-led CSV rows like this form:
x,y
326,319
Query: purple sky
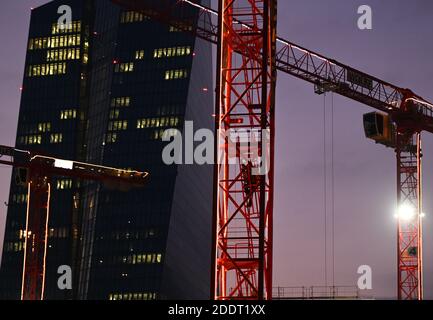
x,y
398,50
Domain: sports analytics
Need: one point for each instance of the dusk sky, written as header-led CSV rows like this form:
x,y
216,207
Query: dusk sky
x,y
399,50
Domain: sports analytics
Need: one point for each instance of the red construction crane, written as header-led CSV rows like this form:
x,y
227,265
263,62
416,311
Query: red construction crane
x,y
242,238
36,171
245,99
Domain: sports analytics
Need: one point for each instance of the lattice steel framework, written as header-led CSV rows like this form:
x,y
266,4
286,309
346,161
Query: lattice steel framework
x,y
409,234
325,73
293,59
242,266
36,238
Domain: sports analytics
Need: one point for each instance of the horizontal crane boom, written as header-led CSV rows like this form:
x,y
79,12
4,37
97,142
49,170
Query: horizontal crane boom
x,y
50,166
36,172
405,107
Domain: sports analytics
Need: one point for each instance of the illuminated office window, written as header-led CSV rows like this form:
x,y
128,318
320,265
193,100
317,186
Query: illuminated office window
x,y
141,123
30,140
64,184
72,40
139,55
14,246
118,125
111,137
121,102
52,56
61,68
157,122
124,67
73,27
157,134
56,138
149,258
144,258
18,246
19,198
176,74
171,52
68,114
77,26
63,54
114,114
132,16
50,69
22,234
44,127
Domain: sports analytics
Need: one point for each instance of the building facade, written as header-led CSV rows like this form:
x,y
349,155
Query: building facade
x,y
104,91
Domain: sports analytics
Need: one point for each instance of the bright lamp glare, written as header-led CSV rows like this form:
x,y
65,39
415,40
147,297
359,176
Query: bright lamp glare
x,y
406,212
64,164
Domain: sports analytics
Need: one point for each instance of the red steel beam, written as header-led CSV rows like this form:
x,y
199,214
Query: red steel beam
x,y
243,194
409,230
297,61
36,238
40,171
407,110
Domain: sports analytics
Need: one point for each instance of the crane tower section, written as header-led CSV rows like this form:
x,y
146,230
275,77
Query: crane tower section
x,y
243,194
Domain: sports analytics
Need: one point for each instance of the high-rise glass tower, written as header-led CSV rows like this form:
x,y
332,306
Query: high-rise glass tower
x,y
103,91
